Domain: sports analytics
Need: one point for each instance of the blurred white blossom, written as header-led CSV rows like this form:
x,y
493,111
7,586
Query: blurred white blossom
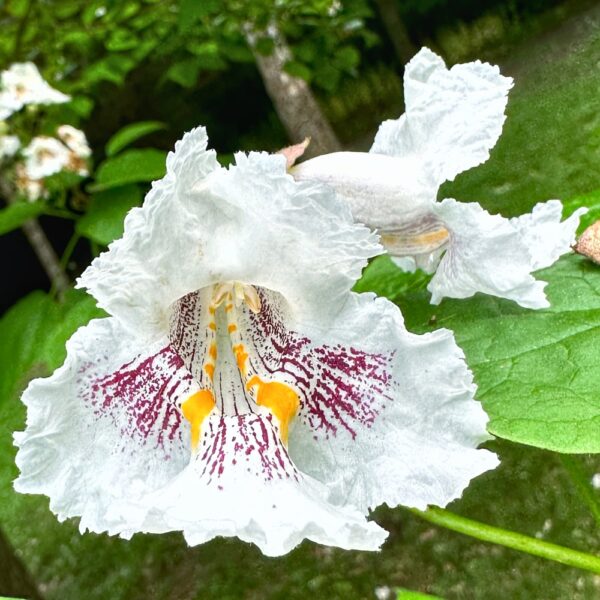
x,y
45,156
23,85
9,146
75,140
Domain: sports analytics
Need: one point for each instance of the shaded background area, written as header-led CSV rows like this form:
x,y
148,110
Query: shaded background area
x,y
550,148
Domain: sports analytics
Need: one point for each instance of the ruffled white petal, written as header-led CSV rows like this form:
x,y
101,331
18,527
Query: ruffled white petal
x,y
546,236
490,254
106,441
244,484
104,430
250,223
453,116
386,415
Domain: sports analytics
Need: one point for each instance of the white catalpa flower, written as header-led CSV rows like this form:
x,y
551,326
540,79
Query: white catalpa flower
x,y
9,146
239,388
453,118
21,85
75,140
32,189
45,156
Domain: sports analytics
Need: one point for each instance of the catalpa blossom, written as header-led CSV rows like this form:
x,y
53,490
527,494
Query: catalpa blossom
x,y
45,155
239,388
75,140
21,85
9,146
453,118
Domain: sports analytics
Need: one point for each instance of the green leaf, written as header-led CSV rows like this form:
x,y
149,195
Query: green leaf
x,y
103,221
121,40
15,215
192,10
130,133
132,166
297,69
33,334
591,201
410,595
185,72
265,46
536,370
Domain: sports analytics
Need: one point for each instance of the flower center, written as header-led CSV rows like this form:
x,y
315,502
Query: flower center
x,y
229,380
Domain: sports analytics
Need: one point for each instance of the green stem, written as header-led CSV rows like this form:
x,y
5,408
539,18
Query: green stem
x,y
510,539
64,260
70,247
582,483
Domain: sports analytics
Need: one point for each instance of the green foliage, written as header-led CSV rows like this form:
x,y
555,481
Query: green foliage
x,y
33,334
185,72
132,166
409,595
103,221
537,371
591,201
131,133
15,215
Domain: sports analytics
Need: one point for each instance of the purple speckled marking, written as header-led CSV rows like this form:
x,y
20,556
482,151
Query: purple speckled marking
x,y
340,386
247,441
140,396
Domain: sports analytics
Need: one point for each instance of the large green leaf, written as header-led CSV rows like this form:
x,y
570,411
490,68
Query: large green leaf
x,y
410,595
591,201
132,166
15,215
103,222
130,133
538,372
33,334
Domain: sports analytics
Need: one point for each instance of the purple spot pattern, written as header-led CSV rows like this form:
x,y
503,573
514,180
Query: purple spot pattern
x,y
140,397
249,442
188,334
341,387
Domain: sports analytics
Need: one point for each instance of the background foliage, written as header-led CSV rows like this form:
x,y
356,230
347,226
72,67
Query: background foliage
x,y
142,72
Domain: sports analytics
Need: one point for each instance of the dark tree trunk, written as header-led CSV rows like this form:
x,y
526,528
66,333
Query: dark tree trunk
x,y
292,98
15,580
396,30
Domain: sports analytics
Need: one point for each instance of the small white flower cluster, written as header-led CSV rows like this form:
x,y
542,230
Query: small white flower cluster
x,y
22,85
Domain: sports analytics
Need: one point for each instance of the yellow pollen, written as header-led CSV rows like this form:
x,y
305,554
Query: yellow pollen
x,y
210,370
212,326
280,399
212,351
211,309
195,409
232,328
240,356
229,307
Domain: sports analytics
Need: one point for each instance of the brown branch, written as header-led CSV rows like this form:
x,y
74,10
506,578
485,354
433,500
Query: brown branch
x,y
292,97
41,246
